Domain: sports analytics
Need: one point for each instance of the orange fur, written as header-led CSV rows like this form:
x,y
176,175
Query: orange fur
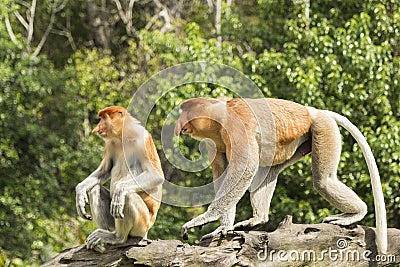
x,y
129,150
292,121
111,122
112,110
152,204
151,152
256,139
114,117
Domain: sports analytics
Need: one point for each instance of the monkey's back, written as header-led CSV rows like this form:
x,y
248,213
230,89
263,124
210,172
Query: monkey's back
x,y
280,125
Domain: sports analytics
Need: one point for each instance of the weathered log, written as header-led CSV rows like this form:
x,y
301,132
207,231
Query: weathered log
x,y
289,245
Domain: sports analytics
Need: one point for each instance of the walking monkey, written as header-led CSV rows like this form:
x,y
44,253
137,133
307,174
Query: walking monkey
x,y
131,161
251,136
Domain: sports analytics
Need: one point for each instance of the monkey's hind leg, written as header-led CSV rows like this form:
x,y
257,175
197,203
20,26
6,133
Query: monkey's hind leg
x,y
100,200
136,222
326,149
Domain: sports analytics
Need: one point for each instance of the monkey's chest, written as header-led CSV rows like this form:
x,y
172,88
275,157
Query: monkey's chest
x,y
123,169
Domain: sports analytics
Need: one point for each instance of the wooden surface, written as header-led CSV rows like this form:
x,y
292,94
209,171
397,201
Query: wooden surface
x,y
289,245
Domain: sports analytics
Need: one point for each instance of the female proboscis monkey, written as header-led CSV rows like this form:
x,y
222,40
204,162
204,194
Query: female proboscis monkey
x,y
130,159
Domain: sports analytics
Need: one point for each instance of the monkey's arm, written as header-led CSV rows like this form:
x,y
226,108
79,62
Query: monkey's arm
x,y
238,177
96,177
218,166
146,181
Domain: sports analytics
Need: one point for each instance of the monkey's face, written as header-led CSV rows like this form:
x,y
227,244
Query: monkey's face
x,y
197,118
111,122
198,128
184,123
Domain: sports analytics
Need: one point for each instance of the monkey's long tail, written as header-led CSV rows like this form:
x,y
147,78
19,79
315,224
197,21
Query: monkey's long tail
x,y
379,202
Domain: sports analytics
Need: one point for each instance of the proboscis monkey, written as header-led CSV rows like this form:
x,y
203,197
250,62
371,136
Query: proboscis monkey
x,y
130,159
254,139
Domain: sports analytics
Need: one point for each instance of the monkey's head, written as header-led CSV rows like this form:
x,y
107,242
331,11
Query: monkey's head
x,y
200,117
111,122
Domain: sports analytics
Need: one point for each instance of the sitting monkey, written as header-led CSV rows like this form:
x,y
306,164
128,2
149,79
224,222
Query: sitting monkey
x,y
131,161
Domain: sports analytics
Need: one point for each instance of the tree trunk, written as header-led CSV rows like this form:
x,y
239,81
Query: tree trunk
x,y
289,245
99,19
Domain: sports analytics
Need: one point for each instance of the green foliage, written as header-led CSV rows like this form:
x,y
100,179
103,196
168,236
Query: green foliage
x,y
342,56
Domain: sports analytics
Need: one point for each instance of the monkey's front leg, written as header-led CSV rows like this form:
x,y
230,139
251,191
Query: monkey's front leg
x,y
238,178
209,216
118,198
82,197
226,224
227,218
220,207
117,205
96,178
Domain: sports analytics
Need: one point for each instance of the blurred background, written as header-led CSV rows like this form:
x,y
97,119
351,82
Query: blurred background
x,y
61,61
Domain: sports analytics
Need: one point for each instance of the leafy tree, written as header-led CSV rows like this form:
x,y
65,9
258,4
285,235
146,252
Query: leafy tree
x,y
342,56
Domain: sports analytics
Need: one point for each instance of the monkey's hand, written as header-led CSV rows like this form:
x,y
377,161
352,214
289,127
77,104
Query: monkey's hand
x,y
186,227
223,230
185,234
209,216
118,202
81,201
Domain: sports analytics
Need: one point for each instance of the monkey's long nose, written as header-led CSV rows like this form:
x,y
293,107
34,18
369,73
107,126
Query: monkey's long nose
x,y
178,128
96,129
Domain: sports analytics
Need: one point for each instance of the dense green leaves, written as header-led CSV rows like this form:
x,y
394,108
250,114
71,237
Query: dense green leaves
x,y
343,56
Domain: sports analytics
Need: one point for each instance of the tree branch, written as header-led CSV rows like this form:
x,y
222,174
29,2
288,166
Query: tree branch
x,y
121,11
67,34
21,19
289,245
164,13
218,11
10,30
126,15
54,10
31,19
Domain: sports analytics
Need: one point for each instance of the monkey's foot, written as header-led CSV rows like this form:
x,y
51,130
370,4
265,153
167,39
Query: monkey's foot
x,y
100,237
223,230
344,218
95,241
98,245
100,248
249,224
